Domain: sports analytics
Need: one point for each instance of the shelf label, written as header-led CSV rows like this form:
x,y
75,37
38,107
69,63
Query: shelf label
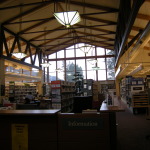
x,y
19,136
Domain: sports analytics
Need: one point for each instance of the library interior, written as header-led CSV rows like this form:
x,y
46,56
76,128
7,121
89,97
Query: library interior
x,y
74,74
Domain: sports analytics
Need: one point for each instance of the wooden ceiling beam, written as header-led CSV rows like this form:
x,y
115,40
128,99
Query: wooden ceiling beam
x,y
49,41
92,41
45,33
51,48
22,5
57,38
102,37
143,17
43,19
97,29
99,20
134,11
36,25
90,5
75,27
3,1
26,13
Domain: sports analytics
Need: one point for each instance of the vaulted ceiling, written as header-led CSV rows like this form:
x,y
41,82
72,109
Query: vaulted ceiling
x,y
111,24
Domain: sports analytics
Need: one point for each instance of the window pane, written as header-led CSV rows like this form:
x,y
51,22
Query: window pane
x,y
28,60
60,75
52,76
101,74
52,56
60,64
70,65
109,52
45,76
101,63
91,75
110,68
79,53
36,60
60,54
70,53
27,72
34,72
52,71
90,63
71,47
91,52
100,51
70,76
52,67
82,73
80,64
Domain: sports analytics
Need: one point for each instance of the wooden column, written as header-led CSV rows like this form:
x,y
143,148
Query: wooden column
x,y
2,68
40,84
117,87
2,79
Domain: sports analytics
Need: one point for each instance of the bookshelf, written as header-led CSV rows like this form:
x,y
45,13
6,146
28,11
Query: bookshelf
x,y
63,93
19,90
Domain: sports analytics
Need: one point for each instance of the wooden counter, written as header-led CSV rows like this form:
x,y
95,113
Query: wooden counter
x,y
112,110
84,131
28,129
29,112
105,108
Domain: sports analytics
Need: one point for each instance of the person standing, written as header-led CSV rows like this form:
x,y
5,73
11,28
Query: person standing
x,y
29,97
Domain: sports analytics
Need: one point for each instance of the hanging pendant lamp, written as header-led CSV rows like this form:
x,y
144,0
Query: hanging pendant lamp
x,y
58,70
68,18
45,64
92,61
86,48
96,68
19,55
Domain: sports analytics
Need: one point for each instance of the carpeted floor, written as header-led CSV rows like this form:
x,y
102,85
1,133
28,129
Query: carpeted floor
x,y
132,130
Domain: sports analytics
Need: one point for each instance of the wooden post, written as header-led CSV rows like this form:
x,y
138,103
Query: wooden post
x,y
40,84
2,68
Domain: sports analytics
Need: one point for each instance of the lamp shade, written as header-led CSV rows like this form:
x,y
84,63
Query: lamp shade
x,y
96,68
67,18
58,70
92,61
86,48
45,64
19,55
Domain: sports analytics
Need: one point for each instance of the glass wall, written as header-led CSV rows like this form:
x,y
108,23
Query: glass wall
x,y
71,60
70,70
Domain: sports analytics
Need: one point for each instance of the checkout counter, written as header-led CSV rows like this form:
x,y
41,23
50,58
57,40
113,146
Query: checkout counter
x,y
51,129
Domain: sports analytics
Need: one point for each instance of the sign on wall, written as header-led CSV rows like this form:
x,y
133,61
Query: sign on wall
x,y
19,136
